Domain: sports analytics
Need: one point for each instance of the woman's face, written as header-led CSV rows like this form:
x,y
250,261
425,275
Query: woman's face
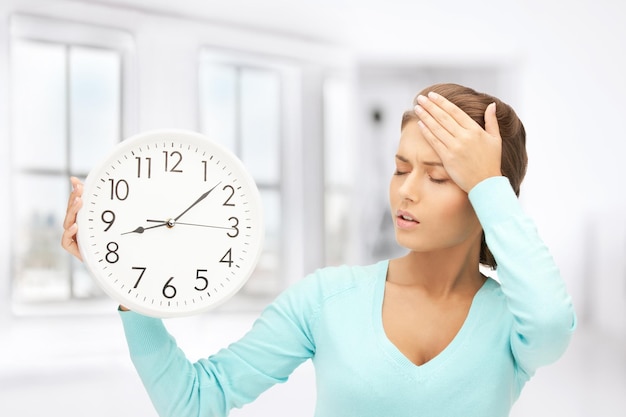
x,y
430,212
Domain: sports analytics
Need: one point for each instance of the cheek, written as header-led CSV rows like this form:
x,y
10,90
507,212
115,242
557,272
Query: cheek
x,y
393,189
457,211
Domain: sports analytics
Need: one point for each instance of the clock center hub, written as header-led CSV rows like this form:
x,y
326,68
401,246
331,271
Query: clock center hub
x,y
170,223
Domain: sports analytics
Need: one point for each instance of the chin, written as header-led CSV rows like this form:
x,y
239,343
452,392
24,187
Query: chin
x,y
414,245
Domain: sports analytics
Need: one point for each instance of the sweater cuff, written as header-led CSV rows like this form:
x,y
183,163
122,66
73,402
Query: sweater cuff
x,y
494,200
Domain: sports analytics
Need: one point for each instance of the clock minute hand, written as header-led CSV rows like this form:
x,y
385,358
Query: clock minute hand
x,y
202,197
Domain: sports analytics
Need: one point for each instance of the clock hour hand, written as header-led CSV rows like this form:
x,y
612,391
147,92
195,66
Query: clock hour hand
x,y
202,197
140,229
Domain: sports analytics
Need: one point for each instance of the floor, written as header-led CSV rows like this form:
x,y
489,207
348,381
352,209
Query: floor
x,y
79,366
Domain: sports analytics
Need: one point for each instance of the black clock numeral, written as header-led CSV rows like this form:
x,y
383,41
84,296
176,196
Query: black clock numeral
x,y
119,189
232,192
148,168
227,258
176,157
108,217
142,269
169,291
234,226
204,164
201,278
112,256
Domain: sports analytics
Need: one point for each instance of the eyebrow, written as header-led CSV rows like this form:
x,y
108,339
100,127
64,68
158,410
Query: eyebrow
x,y
427,163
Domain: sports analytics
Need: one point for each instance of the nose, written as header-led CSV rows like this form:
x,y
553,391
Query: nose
x,y
410,187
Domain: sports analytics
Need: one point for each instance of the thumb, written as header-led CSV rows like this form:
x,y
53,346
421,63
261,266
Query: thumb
x,y
491,120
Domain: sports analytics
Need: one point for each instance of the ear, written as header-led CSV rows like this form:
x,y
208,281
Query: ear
x,y
491,120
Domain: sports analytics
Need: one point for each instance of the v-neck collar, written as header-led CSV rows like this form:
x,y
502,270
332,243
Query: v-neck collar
x,y
421,371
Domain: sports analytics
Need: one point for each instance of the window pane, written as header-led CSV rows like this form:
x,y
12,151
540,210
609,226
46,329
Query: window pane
x,y
39,104
41,265
260,124
218,103
94,105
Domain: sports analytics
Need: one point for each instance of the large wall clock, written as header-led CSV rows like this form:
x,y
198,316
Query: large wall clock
x,y
171,223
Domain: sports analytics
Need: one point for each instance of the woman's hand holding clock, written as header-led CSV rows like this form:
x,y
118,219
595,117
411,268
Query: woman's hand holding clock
x,y
70,228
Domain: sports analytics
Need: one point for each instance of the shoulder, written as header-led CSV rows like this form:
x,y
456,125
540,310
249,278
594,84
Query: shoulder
x,y
491,304
337,279
327,283
304,302
491,292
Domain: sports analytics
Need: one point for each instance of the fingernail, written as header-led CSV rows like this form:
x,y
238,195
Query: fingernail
x,y
421,99
418,109
433,95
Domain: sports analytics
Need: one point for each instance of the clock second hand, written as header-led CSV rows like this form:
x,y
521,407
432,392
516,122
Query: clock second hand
x,y
162,222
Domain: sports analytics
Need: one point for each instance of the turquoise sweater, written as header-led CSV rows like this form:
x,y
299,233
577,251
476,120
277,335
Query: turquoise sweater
x,y
333,317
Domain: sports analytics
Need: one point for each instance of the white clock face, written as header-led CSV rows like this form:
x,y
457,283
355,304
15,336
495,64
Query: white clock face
x,y
171,224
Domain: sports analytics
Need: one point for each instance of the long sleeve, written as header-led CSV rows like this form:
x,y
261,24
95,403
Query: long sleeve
x,y
536,295
278,342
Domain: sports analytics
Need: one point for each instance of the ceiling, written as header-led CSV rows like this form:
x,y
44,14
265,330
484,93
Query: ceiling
x,y
372,29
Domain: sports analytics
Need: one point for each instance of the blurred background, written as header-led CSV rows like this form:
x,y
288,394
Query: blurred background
x,y
309,94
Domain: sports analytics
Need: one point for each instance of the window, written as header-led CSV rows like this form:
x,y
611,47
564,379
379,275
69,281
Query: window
x,y
66,112
241,107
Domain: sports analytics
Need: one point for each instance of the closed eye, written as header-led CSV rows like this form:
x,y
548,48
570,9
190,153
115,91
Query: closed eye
x,y
438,180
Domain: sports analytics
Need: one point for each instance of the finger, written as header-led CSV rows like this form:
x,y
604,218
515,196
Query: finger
x,y
432,126
438,145
74,202
435,115
68,241
70,216
77,191
448,111
491,121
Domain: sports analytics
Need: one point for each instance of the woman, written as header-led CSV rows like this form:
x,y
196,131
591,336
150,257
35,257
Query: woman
x,y
425,334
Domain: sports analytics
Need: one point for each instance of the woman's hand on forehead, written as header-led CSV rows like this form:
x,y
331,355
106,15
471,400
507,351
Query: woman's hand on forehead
x,y
470,154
